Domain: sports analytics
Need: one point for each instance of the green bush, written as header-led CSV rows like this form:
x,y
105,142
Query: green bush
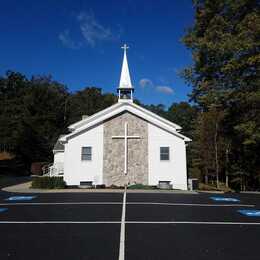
x,y
46,182
113,186
141,187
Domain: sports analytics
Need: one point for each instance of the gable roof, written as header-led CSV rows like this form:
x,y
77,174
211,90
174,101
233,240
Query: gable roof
x,y
118,108
59,146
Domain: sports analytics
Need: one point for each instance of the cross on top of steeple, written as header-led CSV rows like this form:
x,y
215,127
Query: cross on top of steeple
x,y
125,47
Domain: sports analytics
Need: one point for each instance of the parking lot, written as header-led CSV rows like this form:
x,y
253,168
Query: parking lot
x,y
128,226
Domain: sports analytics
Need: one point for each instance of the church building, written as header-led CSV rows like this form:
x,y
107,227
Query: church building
x,y
123,144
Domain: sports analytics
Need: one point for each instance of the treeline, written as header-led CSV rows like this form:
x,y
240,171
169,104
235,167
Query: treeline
x,y
34,112
225,80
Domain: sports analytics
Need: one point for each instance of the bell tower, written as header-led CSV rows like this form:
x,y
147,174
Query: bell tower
x,y
125,89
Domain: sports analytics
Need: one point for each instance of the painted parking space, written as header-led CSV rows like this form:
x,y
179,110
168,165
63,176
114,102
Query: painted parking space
x,y
250,213
225,213
72,197
63,213
224,199
59,241
182,242
20,198
154,226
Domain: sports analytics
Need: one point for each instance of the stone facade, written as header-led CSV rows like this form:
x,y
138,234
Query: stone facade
x,y
113,163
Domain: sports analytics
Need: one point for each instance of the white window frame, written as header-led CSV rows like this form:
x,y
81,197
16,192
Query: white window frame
x,y
164,153
87,154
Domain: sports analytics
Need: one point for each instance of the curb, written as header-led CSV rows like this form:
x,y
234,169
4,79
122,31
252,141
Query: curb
x,y
250,192
25,188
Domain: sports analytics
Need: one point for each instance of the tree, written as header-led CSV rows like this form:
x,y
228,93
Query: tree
x,y
184,115
44,105
157,109
225,46
209,146
12,89
31,115
87,102
224,41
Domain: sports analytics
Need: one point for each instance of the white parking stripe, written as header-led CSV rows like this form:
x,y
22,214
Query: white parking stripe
x,y
190,204
133,222
194,222
122,231
58,203
60,222
127,203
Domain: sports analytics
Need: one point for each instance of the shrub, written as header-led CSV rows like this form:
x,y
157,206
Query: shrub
x,y
141,187
46,182
115,187
100,186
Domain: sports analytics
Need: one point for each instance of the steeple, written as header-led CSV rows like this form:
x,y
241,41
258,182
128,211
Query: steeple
x,y
125,89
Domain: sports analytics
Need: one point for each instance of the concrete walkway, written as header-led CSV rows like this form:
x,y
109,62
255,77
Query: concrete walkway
x,y
25,188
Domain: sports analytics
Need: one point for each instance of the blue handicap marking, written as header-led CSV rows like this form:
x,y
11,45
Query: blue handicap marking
x,y
3,209
226,199
249,213
20,198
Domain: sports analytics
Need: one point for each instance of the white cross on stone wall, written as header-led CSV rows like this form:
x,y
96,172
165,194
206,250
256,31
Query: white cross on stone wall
x,y
126,137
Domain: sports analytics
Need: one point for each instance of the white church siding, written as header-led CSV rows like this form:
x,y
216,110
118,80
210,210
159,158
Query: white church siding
x,y
76,170
58,157
173,170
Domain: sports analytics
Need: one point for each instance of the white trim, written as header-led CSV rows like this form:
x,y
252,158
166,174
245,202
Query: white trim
x,y
177,127
116,106
78,124
119,108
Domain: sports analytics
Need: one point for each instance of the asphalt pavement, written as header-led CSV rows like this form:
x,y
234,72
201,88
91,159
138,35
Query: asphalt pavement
x,y
156,226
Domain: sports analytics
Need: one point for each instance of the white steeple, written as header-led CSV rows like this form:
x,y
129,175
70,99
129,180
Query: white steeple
x,y
125,89
125,80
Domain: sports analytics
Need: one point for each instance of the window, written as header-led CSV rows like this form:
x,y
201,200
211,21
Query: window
x,y
86,153
164,153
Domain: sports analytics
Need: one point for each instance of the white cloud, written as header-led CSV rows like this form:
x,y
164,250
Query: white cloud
x,y
145,83
164,89
174,70
67,41
92,30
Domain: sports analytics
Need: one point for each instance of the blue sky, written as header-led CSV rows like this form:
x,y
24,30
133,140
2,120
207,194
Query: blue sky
x,y
78,43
